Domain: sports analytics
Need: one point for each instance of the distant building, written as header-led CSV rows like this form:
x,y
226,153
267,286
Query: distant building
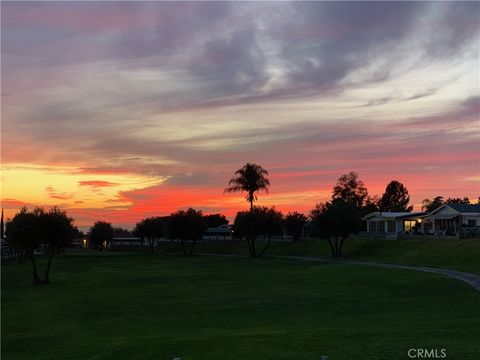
x,y
388,225
448,220
78,243
461,220
7,249
223,232
128,241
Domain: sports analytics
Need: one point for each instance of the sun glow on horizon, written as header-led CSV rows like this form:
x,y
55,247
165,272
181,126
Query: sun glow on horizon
x,y
67,187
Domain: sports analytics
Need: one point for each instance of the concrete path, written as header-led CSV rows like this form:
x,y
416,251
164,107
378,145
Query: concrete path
x,y
471,279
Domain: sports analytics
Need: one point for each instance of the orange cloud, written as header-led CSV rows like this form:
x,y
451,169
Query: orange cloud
x,y
52,193
96,183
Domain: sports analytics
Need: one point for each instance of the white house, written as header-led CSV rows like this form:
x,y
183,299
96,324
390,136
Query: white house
x,y
454,220
128,241
223,232
389,225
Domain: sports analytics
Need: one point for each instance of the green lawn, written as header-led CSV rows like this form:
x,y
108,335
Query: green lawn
x,y
458,254
135,306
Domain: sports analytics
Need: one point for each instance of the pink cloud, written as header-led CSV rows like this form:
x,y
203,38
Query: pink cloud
x,y
13,203
52,193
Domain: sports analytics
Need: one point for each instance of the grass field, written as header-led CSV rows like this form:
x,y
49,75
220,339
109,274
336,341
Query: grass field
x,y
134,306
458,254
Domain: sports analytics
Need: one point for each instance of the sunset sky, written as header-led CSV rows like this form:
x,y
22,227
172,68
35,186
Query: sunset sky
x,y
121,110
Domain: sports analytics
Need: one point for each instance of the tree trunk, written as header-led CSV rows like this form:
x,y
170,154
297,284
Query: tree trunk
x,y
36,279
251,204
340,247
46,278
183,247
251,247
191,248
336,246
331,246
151,243
266,247
21,256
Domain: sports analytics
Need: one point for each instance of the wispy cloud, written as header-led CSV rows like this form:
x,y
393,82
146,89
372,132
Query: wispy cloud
x,y
96,183
54,194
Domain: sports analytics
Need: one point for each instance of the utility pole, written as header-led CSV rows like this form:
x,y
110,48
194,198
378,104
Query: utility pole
x,y
1,227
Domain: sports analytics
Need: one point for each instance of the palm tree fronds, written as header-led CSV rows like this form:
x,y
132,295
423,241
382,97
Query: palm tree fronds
x,y
251,178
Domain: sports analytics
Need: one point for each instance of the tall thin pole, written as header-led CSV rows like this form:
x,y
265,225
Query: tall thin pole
x,y
1,226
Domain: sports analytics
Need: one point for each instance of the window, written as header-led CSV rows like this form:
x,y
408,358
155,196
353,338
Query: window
x,y
472,222
380,226
376,226
409,224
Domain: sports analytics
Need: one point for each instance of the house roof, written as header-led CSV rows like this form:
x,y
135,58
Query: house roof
x,y
392,215
220,229
465,208
459,208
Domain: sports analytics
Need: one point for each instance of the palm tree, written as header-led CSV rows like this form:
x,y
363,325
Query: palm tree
x,y
250,178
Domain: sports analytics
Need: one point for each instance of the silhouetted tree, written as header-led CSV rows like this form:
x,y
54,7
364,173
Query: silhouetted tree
x,y
23,233
395,198
259,221
371,205
430,205
248,224
251,178
335,221
78,233
215,220
274,222
186,225
151,228
294,223
100,234
118,231
28,229
57,232
458,200
350,189
316,219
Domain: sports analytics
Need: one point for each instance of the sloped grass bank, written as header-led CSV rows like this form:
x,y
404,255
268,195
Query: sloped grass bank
x,y
457,254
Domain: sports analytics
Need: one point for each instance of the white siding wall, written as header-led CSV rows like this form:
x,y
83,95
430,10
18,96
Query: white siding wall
x,y
399,225
465,219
